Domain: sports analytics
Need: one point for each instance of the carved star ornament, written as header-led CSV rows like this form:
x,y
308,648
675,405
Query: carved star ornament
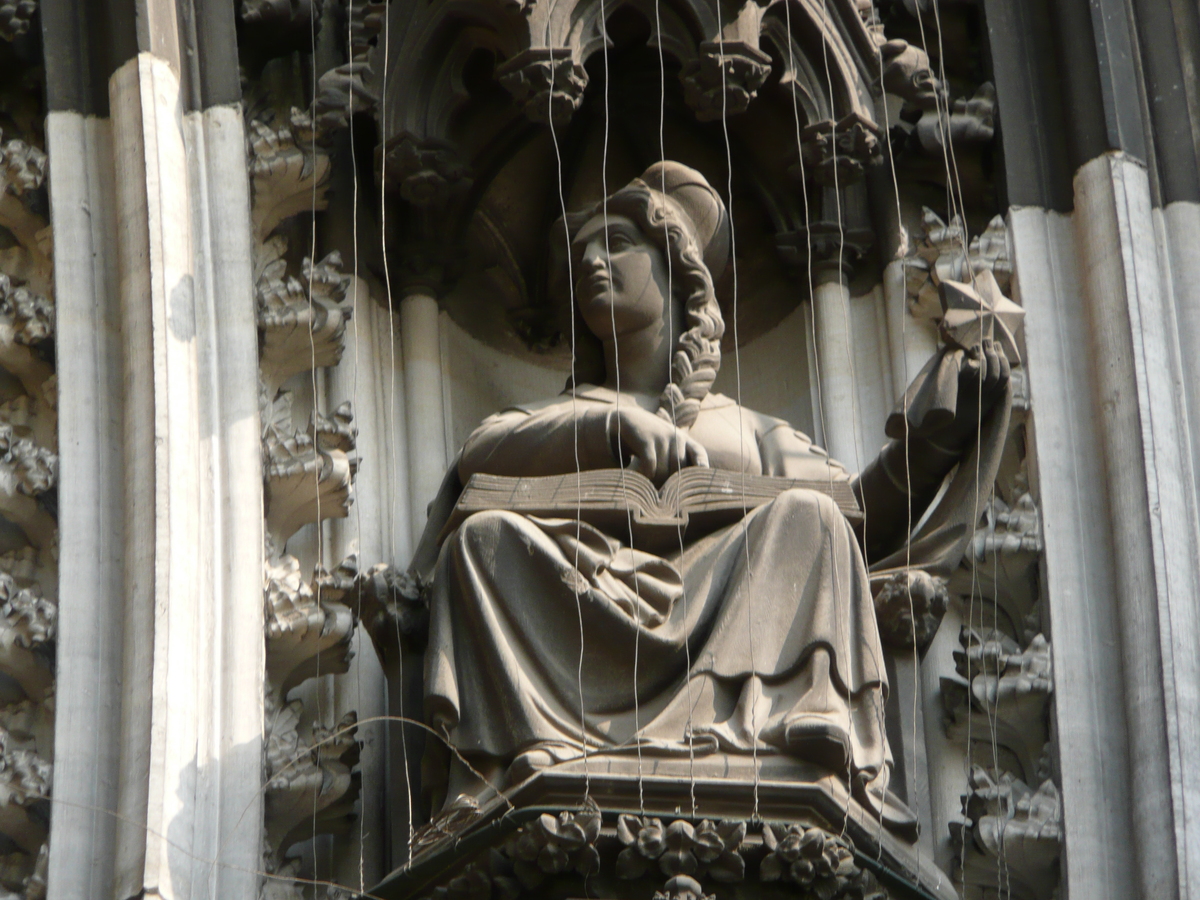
x,y
972,311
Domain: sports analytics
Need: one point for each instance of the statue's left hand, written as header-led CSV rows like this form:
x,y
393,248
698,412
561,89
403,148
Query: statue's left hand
x,y
983,374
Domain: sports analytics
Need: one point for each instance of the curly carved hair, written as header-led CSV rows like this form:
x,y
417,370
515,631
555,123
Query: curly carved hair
x,y
697,356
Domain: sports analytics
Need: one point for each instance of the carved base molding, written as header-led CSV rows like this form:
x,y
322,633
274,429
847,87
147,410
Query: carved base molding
x,y
564,827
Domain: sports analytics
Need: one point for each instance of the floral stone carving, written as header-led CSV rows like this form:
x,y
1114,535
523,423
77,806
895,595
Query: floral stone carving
x,y
428,174
547,82
551,845
681,848
839,152
724,78
819,862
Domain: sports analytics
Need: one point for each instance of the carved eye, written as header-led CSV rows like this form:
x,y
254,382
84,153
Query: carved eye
x,y
619,241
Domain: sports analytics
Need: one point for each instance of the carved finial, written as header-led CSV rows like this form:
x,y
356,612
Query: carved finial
x,y
839,152
547,82
426,173
724,78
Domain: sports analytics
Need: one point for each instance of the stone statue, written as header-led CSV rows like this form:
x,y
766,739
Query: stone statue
x,y
551,637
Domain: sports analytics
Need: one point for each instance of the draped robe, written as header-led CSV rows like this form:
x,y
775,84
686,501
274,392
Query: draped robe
x,y
553,634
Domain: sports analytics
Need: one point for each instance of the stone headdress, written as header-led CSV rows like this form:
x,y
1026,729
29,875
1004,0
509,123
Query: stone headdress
x,y
678,210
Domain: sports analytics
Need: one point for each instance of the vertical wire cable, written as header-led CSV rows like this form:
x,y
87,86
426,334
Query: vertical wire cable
x,y
671,337
950,161
737,369
811,295
855,415
887,127
320,553
389,400
363,793
637,634
562,203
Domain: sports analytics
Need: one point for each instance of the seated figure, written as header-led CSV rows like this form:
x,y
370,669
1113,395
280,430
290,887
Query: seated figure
x,y
551,638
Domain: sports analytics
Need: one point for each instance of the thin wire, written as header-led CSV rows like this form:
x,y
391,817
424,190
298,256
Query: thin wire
x,y
562,202
390,404
951,183
812,313
853,376
662,155
912,616
363,792
637,634
737,369
312,262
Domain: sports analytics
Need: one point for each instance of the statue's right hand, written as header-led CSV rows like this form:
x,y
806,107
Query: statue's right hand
x,y
649,444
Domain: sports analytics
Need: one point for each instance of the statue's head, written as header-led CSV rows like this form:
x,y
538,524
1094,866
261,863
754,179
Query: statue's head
x,y
654,244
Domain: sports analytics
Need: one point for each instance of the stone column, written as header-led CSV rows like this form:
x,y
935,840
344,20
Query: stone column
x,y
160,704
91,522
1153,512
835,368
424,412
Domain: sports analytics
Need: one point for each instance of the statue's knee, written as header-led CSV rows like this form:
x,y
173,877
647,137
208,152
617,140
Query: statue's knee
x,y
484,530
803,500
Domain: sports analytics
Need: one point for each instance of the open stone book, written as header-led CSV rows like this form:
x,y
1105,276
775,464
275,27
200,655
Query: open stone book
x,y
695,499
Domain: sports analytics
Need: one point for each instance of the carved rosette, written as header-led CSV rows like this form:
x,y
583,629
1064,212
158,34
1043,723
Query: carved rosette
x,y
548,83
724,78
28,482
426,173
16,17
838,153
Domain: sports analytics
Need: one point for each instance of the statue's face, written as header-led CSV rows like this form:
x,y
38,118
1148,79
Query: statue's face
x,y
621,283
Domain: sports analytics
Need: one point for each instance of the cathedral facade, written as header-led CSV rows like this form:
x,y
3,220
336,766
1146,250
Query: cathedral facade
x,y
675,449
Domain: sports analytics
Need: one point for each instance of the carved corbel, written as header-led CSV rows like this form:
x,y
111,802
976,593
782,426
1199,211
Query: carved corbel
x,y
310,786
838,153
25,781
28,622
830,249
303,321
1011,834
907,75
426,173
723,79
909,606
547,82
281,13
1003,696
27,473
307,633
289,172
309,474
971,121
